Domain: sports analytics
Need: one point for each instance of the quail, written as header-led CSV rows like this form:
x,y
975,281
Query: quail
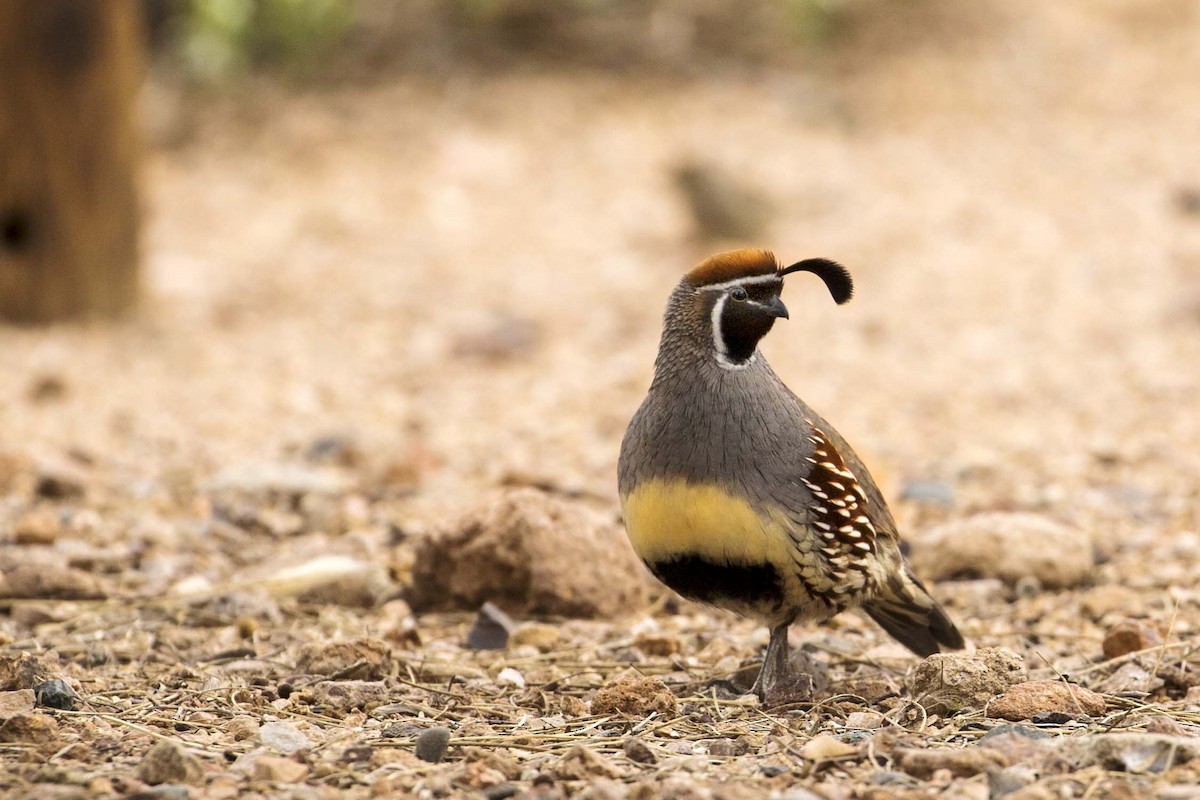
x,y
738,495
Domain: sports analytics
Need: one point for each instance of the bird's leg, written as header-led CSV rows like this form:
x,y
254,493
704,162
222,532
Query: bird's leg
x,y
775,663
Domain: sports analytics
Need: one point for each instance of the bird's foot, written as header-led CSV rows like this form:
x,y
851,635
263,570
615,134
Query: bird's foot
x,y
778,682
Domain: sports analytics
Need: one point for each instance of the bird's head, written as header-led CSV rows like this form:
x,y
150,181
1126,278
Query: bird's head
x,y
734,298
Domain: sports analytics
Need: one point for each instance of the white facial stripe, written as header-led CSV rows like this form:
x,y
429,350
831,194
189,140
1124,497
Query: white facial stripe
x,y
741,282
725,363
718,339
722,352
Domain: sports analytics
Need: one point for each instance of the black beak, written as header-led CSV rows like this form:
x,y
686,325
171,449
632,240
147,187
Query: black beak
x,y
775,308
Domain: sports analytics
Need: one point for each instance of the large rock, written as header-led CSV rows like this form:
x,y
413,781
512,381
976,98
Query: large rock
x,y
40,526
961,763
1129,752
950,682
168,762
1008,546
21,671
49,581
363,658
341,697
29,728
278,769
20,701
529,553
284,737
1026,700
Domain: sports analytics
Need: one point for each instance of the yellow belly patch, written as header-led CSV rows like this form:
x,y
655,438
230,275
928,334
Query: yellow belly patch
x,y
671,518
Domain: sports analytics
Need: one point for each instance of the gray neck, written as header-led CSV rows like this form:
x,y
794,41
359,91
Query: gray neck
x,y
704,422
687,346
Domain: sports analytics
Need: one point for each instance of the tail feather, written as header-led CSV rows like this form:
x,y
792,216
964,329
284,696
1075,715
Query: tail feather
x,y
905,609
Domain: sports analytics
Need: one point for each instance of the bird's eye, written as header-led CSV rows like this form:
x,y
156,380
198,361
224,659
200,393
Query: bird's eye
x,y
738,293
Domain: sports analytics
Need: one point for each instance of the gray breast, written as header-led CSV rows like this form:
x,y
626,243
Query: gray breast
x,y
741,429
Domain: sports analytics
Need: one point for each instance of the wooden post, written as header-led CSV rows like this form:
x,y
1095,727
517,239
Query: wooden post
x,y
69,74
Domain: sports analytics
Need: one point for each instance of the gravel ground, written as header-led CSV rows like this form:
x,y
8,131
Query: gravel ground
x,y
374,313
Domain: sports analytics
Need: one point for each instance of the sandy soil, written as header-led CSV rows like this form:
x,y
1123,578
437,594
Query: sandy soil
x,y
368,309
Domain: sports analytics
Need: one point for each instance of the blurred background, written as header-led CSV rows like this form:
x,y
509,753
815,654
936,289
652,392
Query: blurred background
x,y
429,242
299,297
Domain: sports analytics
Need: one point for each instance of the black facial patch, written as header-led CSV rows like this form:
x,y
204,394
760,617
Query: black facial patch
x,y
744,322
695,578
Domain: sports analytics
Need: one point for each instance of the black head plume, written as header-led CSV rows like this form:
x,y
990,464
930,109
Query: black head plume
x,y
837,278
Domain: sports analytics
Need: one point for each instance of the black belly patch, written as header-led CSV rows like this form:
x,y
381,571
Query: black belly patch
x,y
755,585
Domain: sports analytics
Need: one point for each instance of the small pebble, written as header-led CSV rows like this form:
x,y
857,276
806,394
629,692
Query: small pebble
x,y
242,728
638,751
1107,598
572,706
491,629
1027,586
46,387
60,480
864,720
886,777
37,527
432,744
1162,724
357,753
284,737
727,748
658,645
1130,637
1018,730
824,748
511,677
1003,782
1055,718
501,791
279,769
338,449
167,762
539,635
55,694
